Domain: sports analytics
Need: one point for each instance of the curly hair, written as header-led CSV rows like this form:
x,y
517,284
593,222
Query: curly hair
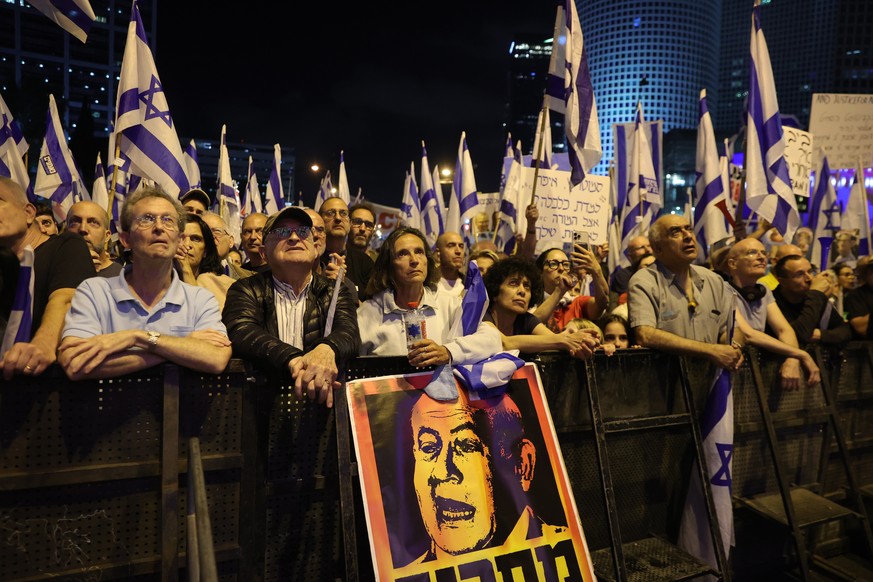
x,y
383,269
506,268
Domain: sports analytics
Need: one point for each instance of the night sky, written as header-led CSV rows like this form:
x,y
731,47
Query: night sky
x,y
372,79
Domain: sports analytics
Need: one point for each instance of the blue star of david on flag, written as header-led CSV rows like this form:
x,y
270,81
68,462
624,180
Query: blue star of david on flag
x,y
722,477
148,97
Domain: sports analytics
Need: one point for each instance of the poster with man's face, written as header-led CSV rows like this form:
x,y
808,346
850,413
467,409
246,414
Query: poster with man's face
x,y
468,488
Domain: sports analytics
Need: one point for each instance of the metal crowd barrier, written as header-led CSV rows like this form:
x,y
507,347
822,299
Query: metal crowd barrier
x,y
94,476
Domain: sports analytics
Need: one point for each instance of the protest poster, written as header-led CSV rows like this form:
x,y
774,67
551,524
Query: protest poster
x,y
798,156
464,489
843,126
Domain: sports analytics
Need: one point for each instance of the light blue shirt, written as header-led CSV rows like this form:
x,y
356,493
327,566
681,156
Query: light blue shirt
x,y
102,306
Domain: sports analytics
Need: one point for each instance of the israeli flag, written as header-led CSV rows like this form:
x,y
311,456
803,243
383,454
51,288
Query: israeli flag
x,y
541,157
857,215
643,199
20,323
343,187
511,218
142,117
464,201
431,201
74,16
228,197
12,144
191,165
99,190
56,174
824,215
275,196
325,191
410,213
768,187
580,122
252,201
709,200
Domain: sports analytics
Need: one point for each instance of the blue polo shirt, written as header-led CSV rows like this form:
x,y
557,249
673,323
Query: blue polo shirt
x,y
106,305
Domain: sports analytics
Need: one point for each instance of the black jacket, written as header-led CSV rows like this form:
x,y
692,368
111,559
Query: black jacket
x,y
805,317
250,316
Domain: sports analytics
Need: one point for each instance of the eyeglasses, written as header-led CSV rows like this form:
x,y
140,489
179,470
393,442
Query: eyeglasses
x,y
554,264
284,232
333,212
368,224
148,221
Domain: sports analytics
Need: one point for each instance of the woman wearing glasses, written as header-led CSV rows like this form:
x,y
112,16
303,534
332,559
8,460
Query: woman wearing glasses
x,y
405,278
560,275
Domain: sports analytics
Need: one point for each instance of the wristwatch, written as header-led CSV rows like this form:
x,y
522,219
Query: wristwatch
x,y
154,336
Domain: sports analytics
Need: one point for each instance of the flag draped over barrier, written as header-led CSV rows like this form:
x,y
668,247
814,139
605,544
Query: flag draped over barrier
x,y
252,202
74,16
824,215
275,196
431,201
56,175
710,208
464,200
142,117
191,166
768,186
20,322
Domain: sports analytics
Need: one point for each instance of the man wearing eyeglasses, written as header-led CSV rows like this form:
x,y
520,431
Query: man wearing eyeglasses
x,y
679,307
60,263
277,319
363,227
758,311
146,315
337,223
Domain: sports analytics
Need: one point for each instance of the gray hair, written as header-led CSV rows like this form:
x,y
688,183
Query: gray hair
x,y
150,192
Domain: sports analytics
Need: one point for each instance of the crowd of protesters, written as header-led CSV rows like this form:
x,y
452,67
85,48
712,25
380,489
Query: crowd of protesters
x,y
175,287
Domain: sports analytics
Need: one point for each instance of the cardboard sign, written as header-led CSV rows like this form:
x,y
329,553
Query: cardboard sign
x,y
843,126
465,489
798,156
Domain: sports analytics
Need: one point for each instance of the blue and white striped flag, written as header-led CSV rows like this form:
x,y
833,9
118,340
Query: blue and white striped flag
x,y
20,322
74,16
191,166
342,189
431,201
541,157
709,201
464,201
252,202
511,218
99,190
410,213
12,145
580,122
275,196
857,214
142,116
768,186
228,196
56,171
643,199
824,215
325,191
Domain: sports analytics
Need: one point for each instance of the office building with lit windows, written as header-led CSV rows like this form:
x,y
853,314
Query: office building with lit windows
x,y
529,66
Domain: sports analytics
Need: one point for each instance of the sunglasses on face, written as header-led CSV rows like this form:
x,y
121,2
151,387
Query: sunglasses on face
x,y
284,232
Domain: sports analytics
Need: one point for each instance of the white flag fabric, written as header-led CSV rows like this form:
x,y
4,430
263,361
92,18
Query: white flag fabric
x,y
324,191
580,122
19,325
56,176
709,220
541,157
12,146
441,205
511,219
99,190
410,213
557,66
430,202
343,187
275,196
74,16
252,202
643,199
142,117
228,197
191,165
824,215
768,186
464,201
857,215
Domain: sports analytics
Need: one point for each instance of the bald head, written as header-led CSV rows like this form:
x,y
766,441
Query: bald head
x,y
13,191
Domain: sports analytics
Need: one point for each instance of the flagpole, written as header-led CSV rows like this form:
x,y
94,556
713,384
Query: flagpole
x,y
111,197
533,190
741,199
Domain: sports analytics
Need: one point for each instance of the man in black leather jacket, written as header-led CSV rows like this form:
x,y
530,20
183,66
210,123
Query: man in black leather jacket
x,y
277,319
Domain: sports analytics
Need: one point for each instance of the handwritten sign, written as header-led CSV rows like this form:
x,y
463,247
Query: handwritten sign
x,y
843,126
798,155
563,211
